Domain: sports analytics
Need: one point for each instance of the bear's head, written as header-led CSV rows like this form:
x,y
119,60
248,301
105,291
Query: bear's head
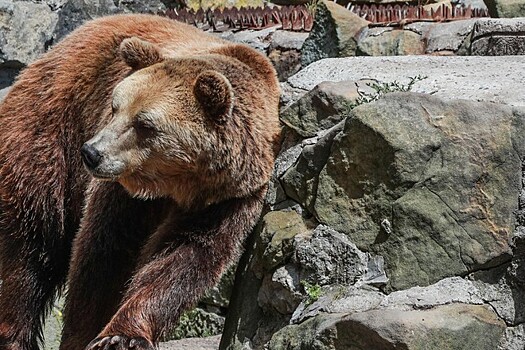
x,y
198,129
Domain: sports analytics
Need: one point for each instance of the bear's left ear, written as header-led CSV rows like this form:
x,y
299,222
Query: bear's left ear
x,y
138,53
215,94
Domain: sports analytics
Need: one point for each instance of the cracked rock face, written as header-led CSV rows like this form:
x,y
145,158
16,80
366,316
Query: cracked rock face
x,y
393,227
444,175
442,327
389,42
25,33
495,37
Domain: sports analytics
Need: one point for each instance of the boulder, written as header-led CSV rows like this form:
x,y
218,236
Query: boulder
x,y
513,339
301,180
321,108
490,79
144,6
452,37
206,343
197,323
499,37
340,25
26,31
389,42
76,12
286,40
258,39
457,326
407,161
389,208
505,8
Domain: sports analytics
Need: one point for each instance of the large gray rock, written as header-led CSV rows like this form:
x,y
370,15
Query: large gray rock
x,y
74,13
321,108
389,42
258,39
207,343
453,37
448,315
499,37
429,189
457,326
301,179
334,33
505,8
26,31
491,79
514,338
406,160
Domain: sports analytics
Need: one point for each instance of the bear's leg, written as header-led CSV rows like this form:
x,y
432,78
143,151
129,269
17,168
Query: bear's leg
x,y
105,252
187,256
31,270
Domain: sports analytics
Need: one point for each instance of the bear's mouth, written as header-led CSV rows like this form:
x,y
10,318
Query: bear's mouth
x,y
104,176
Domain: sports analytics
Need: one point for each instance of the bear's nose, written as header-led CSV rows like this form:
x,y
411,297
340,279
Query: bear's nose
x,y
90,156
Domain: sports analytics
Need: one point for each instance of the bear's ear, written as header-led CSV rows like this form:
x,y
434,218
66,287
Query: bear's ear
x,y
215,94
251,57
138,53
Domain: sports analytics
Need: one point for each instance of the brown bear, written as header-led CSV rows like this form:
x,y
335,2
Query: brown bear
x,y
177,130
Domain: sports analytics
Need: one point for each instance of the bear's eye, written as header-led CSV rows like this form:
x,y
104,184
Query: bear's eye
x,y
142,125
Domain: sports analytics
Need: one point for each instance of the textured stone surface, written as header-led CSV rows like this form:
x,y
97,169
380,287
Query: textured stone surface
x,y
208,343
513,339
274,243
506,8
285,52
301,180
452,36
337,23
76,12
457,326
26,30
258,39
143,6
389,42
406,159
491,79
323,107
286,40
447,291
499,37
339,299
197,323
281,291
328,257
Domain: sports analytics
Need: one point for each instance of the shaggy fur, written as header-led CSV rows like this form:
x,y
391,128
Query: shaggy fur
x,y
186,128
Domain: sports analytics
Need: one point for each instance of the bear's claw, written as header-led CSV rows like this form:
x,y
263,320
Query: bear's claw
x,y
119,342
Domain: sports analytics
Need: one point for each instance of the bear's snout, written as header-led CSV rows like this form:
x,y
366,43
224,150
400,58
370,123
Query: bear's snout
x,y
90,156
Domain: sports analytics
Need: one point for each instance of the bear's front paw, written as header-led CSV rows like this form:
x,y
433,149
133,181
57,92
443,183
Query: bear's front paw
x,y
120,342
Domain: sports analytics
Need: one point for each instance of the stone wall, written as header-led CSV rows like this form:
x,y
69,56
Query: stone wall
x,y
394,224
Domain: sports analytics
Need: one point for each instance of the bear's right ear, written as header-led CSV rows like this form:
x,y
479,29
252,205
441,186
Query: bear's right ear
x,y
138,53
215,94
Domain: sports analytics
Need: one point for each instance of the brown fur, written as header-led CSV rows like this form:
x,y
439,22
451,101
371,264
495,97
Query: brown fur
x,y
199,119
